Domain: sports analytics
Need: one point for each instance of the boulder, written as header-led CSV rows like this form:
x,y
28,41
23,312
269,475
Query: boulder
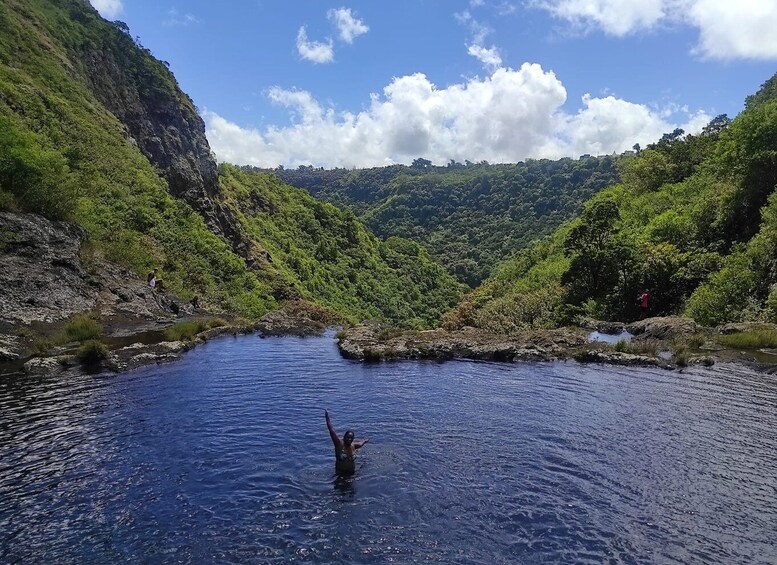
x,y
280,323
663,328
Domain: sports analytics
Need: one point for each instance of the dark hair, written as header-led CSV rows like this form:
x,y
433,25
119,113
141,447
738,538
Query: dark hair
x,y
347,433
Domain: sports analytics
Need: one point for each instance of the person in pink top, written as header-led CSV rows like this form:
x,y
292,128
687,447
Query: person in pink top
x,y
644,303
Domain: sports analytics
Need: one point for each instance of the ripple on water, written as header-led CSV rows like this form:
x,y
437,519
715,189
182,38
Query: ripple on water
x,y
225,457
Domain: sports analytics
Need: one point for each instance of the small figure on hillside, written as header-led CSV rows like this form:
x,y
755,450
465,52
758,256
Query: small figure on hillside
x,y
195,302
644,303
345,449
154,281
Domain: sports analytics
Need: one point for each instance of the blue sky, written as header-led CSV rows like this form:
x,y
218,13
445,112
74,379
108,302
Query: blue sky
x,y
363,83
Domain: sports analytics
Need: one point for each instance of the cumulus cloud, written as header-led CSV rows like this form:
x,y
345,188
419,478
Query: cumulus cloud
x,y
348,27
314,51
109,9
730,30
489,56
727,29
508,116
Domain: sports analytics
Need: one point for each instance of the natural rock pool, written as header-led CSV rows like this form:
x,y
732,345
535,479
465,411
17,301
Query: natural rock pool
x,y
225,457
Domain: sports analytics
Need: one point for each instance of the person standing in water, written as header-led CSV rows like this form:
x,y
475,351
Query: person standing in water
x,y
345,449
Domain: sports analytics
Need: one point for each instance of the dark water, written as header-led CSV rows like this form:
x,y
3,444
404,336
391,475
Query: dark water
x,y
224,457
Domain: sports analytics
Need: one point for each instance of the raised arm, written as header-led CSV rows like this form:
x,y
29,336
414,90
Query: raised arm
x,y
332,433
361,443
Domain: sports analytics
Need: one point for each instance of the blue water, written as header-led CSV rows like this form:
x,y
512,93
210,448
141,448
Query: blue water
x,y
224,458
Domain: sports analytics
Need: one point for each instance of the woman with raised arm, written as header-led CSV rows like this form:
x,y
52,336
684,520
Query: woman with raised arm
x,y
345,449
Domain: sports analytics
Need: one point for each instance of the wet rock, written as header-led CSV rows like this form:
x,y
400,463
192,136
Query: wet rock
x,y
8,355
43,366
371,342
280,323
619,358
139,354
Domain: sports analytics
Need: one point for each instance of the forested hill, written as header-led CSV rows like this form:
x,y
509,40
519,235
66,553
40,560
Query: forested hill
x,y
694,221
469,216
96,131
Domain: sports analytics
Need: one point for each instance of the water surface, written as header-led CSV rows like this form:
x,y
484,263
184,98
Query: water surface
x,y
224,457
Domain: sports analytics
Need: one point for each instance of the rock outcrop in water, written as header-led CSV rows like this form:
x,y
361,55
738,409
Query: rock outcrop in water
x,y
370,342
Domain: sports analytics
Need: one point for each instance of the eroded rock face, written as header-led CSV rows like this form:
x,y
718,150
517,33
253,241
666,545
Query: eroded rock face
x,y
663,328
368,342
280,323
42,278
163,123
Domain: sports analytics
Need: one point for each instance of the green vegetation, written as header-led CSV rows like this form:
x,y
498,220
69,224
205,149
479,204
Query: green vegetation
x,y
188,330
64,155
81,328
469,216
755,339
92,352
313,250
694,221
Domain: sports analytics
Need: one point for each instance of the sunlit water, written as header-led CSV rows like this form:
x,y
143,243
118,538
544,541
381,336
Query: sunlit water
x,y
224,457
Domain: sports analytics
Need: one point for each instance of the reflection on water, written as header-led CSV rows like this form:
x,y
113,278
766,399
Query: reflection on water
x,y
225,457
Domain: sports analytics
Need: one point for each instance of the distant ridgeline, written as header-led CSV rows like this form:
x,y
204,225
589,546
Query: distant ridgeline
x,y
95,130
470,216
694,221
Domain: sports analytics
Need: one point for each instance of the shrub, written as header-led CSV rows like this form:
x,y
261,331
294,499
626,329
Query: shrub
x,y
81,328
92,352
185,331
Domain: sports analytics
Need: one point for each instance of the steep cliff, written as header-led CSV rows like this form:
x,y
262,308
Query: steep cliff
x,y
95,130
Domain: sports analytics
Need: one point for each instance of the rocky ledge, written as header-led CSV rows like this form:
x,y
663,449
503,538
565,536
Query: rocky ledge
x,y
370,342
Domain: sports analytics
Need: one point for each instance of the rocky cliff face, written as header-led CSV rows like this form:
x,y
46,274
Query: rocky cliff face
x,y
42,278
161,120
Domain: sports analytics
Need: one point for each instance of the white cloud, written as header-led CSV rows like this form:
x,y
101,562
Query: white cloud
x,y
508,116
728,29
178,19
745,29
314,51
615,17
109,9
488,56
348,27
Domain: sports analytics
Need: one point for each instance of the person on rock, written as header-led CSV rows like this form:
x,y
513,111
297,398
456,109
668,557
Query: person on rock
x,y
644,303
154,281
345,449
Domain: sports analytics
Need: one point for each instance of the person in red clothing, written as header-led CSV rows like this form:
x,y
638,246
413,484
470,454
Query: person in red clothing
x,y
644,303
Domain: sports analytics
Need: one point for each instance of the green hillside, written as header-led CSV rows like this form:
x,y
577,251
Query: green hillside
x,y
95,130
469,216
694,221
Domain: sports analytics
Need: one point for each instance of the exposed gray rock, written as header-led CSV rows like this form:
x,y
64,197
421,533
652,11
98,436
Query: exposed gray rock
x,y
663,328
43,366
601,326
280,323
370,342
8,355
620,358
42,278
139,354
